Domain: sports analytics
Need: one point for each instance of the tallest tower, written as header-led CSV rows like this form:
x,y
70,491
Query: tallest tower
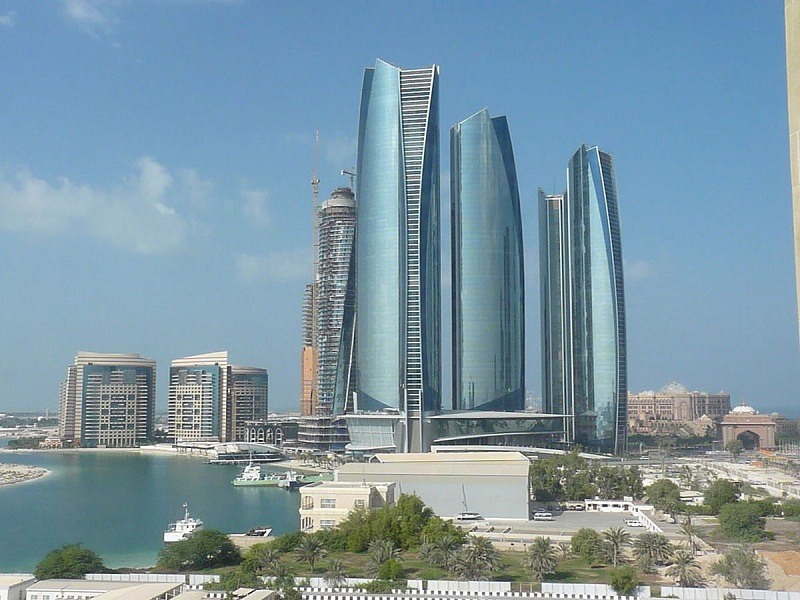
x,y
792,16
398,255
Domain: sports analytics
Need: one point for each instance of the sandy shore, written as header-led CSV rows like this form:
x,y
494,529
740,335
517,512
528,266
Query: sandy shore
x,y
11,474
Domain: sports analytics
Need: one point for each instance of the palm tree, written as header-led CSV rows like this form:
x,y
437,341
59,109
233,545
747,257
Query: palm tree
x,y
690,531
310,550
540,558
266,558
685,569
476,559
379,552
653,548
564,549
283,576
335,574
615,540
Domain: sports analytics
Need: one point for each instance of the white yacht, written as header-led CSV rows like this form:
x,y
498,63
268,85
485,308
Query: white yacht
x,y
182,529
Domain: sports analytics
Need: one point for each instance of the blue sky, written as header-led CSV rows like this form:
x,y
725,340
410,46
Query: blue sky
x,y
155,160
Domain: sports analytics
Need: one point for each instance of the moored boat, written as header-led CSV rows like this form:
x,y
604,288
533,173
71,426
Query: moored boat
x,y
182,529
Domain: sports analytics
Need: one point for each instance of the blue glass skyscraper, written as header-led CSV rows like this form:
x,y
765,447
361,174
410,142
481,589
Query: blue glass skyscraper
x,y
488,291
584,364
398,255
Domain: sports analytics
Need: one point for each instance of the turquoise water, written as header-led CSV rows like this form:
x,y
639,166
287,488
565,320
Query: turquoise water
x,y
118,504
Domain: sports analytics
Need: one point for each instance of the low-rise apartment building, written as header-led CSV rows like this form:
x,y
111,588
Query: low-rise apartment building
x,y
327,503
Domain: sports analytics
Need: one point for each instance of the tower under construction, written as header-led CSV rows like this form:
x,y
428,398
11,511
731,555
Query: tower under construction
x,y
335,295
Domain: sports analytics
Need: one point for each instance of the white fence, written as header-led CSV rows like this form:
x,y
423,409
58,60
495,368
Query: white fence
x,y
138,577
467,590
600,591
719,594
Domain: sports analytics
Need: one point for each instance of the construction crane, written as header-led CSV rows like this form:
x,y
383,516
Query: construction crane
x,y
351,174
315,216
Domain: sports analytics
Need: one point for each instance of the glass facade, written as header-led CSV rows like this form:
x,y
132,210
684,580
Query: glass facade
x,y
584,360
398,268
488,292
249,398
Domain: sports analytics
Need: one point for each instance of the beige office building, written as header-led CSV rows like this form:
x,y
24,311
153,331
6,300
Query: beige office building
x,y
108,400
658,412
792,13
198,397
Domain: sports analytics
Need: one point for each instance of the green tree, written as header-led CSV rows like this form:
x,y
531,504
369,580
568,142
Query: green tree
x,y
71,561
632,483
664,495
336,573
391,570
742,521
310,550
412,516
262,558
206,549
735,447
690,531
743,568
720,493
586,543
624,580
441,552
685,569
233,580
437,527
610,482
477,559
579,486
615,540
379,552
540,558
564,550
652,548
545,480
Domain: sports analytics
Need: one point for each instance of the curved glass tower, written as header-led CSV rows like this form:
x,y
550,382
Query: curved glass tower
x,y
397,265
488,267
584,360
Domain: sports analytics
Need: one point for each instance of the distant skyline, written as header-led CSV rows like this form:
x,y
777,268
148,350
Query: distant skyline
x,y
156,160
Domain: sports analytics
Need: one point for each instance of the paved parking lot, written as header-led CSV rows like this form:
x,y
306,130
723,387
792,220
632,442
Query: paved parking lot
x,y
563,527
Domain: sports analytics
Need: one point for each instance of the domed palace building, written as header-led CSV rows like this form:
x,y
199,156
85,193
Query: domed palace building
x,y
754,430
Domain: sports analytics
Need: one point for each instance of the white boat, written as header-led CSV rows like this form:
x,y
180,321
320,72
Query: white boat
x,y
183,528
250,475
466,515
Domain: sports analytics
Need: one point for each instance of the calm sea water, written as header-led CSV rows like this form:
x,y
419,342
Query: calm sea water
x,y
118,504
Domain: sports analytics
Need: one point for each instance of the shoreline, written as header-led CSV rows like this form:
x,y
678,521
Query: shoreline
x,y
13,474
164,450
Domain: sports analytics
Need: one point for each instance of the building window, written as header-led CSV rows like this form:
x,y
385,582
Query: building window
x,y
327,523
327,503
359,503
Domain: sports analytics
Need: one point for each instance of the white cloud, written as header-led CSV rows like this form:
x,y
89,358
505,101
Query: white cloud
x,y
8,20
638,270
292,265
93,16
143,214
255,207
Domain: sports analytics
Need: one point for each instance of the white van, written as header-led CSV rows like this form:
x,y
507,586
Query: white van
x,y
543,516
